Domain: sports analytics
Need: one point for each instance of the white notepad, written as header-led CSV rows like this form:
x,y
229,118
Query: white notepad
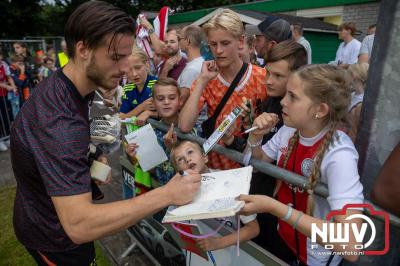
x,y
216,197
149,153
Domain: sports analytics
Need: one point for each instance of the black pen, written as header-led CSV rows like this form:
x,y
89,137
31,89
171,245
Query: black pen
x,y
182,173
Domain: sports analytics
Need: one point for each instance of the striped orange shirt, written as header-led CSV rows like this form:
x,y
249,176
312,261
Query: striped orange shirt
x,y
252,86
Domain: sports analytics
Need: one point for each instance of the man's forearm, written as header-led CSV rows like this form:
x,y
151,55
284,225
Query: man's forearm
x,y
185,93
93,221
158,45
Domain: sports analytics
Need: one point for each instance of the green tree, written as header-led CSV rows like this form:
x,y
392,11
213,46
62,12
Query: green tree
x,y
41,17
20,18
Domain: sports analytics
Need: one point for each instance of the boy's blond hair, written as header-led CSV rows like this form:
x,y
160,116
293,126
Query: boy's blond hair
x,y
227,20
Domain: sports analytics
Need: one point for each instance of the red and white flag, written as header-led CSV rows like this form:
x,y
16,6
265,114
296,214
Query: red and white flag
x,y
142,38
160,28
161,22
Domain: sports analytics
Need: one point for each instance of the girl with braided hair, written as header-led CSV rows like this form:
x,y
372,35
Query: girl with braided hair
x,y
310,144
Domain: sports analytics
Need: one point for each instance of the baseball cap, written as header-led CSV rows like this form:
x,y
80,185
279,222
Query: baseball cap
x,y
273,28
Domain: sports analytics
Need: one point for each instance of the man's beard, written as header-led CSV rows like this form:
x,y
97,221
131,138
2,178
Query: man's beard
x,y
172,53
96,76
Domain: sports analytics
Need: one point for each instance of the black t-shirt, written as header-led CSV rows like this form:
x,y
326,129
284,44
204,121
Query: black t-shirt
x,y
49,144
272,105
264,184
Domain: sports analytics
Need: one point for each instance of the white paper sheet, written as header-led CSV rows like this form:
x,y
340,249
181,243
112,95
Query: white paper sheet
x,y
149,153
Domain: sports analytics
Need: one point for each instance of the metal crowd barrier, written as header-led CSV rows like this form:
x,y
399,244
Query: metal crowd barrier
x,y
149,233
164,246
267,168
41,43
5,118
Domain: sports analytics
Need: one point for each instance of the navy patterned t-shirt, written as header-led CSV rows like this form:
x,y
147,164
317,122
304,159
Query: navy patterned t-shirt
x,y
49,145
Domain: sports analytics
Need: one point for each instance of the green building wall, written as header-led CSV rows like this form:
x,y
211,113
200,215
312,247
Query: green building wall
x,y
323,45
270,6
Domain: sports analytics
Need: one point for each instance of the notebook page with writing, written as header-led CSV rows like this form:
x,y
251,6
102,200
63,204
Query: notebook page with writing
x,y
216,197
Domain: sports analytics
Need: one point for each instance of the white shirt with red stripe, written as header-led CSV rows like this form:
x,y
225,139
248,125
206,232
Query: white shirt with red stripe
x,y
338,171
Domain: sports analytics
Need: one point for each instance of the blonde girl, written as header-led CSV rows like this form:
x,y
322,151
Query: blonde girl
x,y
309,144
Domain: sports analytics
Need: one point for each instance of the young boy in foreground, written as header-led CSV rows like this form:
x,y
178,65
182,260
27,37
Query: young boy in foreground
x,y
189,155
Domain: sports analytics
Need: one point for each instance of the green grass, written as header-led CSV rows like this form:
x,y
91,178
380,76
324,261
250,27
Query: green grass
x,y
11,251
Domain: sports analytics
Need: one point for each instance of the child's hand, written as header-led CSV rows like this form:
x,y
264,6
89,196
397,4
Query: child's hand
x,y
228,137
209,243
170,138
265,122
209,70
141,119
247,113
254,204
130,149
147,105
